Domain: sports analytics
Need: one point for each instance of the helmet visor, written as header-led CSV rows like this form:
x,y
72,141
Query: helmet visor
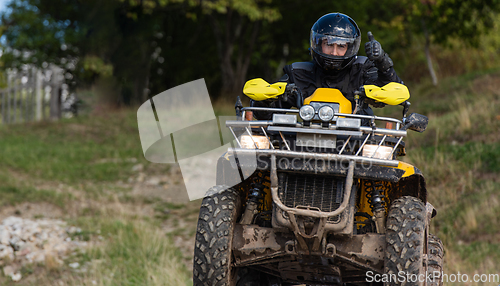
x,y
333,46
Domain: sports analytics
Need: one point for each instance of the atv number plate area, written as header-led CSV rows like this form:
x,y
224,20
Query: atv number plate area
x,y
316,140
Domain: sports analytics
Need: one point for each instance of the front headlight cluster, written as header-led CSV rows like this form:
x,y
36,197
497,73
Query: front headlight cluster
x,y
377,152
325,113
306,112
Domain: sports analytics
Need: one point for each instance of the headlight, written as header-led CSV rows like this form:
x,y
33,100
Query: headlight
x,y
383,152
325,113
247,142
306,112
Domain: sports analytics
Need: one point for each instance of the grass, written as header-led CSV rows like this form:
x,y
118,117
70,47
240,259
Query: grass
x,y
10,195
135,253
73,151
459,155
14,191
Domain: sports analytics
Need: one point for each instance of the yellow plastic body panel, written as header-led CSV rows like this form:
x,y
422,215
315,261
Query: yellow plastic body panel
x,y
330,95
409,169
259,89
392,93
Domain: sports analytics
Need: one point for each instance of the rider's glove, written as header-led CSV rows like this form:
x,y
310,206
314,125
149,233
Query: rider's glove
x,y
374,52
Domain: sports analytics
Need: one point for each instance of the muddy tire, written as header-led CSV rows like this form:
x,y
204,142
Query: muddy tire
x,y
435,255
405,240
212,254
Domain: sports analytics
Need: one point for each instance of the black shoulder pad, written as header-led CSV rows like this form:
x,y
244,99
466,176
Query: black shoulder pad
x,y
308,66
360,60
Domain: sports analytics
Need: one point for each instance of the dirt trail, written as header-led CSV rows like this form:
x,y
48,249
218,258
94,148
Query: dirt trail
x,y
149,192
179,215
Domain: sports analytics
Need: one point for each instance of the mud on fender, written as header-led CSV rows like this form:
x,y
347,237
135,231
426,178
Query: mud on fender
x,y
413,185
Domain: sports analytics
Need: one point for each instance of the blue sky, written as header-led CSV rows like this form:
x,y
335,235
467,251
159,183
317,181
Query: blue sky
x,y
3,4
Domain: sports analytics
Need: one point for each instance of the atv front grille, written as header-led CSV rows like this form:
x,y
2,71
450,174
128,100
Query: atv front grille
x,y
322,192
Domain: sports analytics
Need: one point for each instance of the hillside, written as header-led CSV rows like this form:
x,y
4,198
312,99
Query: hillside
x,y
460,156
90,172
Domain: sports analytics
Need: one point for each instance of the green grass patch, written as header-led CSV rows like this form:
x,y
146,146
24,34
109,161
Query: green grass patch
x,y
11,195
466,156
476,213
74,150
491,158
13,192
476,252
133,253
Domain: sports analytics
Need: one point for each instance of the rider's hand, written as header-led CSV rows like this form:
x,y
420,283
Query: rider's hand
x,y
374,52
373,49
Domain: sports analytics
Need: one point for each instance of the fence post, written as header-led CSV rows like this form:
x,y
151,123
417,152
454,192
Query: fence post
x,y
9,92
22,93
38,94
27,97
15,98
24,101
45,83
55,97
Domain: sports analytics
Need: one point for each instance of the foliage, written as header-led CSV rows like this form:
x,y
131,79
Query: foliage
x,y
131,38
148,46
89,38
33,37
445,19
441,19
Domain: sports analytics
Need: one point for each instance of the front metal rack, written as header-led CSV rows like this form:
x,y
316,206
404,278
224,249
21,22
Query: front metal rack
x,y
332,129
284,123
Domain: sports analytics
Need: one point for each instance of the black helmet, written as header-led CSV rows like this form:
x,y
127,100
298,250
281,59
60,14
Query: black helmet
x,y
335,28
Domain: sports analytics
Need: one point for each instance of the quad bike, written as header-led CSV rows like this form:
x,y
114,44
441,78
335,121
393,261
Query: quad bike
x,y
322,199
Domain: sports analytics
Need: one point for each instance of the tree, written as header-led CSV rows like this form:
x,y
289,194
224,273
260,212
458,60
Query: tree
x,y
89,38
236,25
440,20
127,38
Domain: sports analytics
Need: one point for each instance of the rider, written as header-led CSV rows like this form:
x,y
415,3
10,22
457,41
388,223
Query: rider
x,y
334,45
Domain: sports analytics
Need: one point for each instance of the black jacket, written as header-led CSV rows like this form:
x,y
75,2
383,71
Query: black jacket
x,y
308,76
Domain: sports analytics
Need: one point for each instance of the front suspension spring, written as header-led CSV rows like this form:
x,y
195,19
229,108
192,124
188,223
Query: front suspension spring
x,y
257,193
375,195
